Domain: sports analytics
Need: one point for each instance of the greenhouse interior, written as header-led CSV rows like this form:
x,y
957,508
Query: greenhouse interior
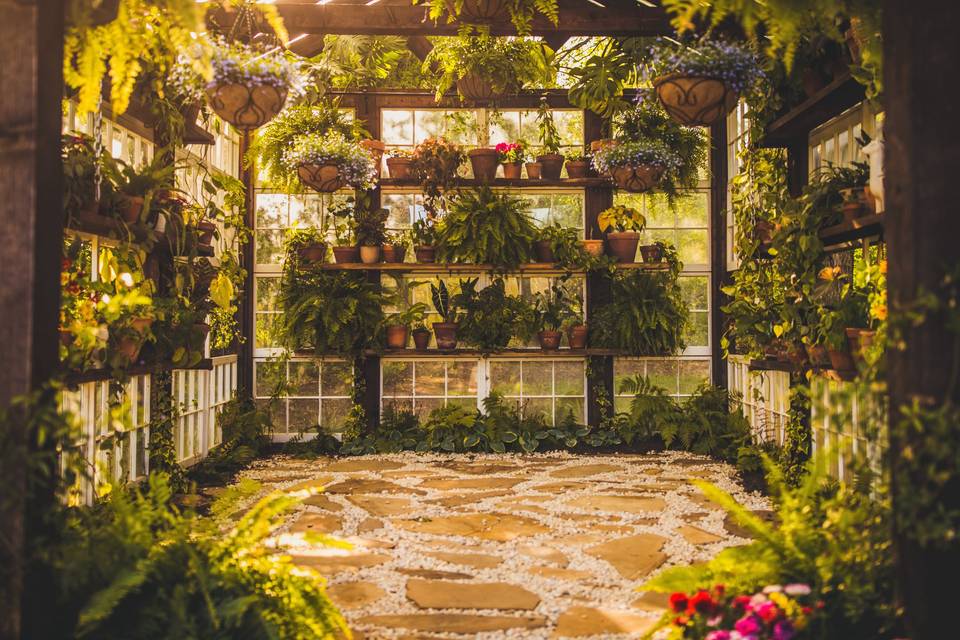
x,y
423,319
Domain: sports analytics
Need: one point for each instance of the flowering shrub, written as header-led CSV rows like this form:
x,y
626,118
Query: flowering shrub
x,y
776,613
234,63
734,64
353,162
635,154
512,152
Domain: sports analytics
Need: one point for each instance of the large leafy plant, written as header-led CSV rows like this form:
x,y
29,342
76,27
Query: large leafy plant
x,y
491,316
436,163
521,13
600,68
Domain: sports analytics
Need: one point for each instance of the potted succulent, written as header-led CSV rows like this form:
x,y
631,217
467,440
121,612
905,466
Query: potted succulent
x,y
399,323
424,240
369,229
248,87
578,164
511,156
550,159
446,306
700,84
636,166
329,163
400,164
307,244
623,226
395,247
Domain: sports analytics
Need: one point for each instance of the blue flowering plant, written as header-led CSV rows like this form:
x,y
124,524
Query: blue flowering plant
x,y
236,63
354,164
734,64
636,154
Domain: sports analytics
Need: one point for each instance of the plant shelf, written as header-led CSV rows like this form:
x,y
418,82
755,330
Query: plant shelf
x,y
770,364
840,237
570,183
531,352
106,373
832,100
117,230
540,268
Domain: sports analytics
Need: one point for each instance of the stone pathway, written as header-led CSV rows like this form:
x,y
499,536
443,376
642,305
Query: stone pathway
x,y
502,546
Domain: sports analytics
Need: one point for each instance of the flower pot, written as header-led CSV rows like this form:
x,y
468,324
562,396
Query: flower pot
x,y
859,340
346,255
818,355
637,179
425,253
852,211
577,168
393,252
132,208
312,253
484,161
370,254
622,245
796,355
593,247
763,231
841,360
129,348
246,107
397,336
375,148
544,250
695,101
577,336
552,166
549,340
325,178
400,168
652,253
512,170
421,339
446,333
205,231
534,170
476,88
480,11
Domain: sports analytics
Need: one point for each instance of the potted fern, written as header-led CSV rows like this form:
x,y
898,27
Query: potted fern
x,y
329,163
551,309
400,322
623,226
249,87
550,158
369,229
448,309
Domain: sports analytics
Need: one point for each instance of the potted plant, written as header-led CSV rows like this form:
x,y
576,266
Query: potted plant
x,y
421,336
484,162
700,84
854,203
484,12
573,320
399,323
551,160
328,163
137,187
636,166
627,223
395,247
307,245
491,317
561,245
400,164
345,249
652,253
578,164
248,86
534,170
424,240
369,229
446,306
551,309
128,312
436,163
511,156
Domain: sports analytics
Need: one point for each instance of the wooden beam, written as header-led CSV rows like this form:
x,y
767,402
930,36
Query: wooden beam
x,y
577,18
308,46
420,46
718,247
555,40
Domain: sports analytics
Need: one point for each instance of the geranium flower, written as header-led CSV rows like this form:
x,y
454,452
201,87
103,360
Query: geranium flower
x,y
767,611
678,602
701,603
741,602
718,635
748,625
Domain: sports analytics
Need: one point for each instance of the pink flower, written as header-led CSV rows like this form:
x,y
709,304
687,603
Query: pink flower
x,y
767,611
748,625
503,146
718,635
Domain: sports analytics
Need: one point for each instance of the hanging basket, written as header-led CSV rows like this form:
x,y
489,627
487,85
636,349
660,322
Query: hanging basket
x,y
477,89
695,101
325,178
479,11
246,107
637,179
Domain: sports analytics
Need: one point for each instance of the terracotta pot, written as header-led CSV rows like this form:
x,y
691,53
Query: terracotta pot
x,y
552,166
772,350
796,355
841,360
695,101
425,253
375,148
205,231
512,170
577,336
637,179
312,253
593,247
859,340
397,336
544,251
370,254
393,253
534,170
132,208
852,211
421,339
325,178
476,88
129,347
622,245
484,161
400,168
246,107
549,340
446,333
346,255
577,168
818,355
652,253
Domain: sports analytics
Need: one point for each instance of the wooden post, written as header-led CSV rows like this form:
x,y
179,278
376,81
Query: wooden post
x,y
31,232
921,58
718,247
247,306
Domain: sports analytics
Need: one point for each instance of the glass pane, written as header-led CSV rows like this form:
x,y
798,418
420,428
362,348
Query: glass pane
x,y
398,405
397,379
267,375
304,414
264,330
539,406
570,405
462,378
696,332
423,406
693,210
269,247
694,290
267,289
650,236
402,208
307,211
271,210
621,404
537,378
304,379
663,373
570,126
334,413
336,379
623,369
568,377
396,127
693,373
278,414
693,246
658,213
505,378
429,124
505,128
466,402
430,378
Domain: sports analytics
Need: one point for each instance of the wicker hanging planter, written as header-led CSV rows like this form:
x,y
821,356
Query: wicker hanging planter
x,y
246,107
479,11
637,179
325,178
476,88
695,101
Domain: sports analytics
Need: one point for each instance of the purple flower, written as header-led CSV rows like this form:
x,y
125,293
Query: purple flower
x,y
783,630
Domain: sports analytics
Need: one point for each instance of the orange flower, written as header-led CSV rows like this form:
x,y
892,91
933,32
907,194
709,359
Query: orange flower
x,y
828,273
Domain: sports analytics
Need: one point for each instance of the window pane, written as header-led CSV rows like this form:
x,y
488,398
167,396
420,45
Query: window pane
x,y
569,378
537,379
696,332
430,378
624,369
539,406
658,213
334,413
423,406
304,379
572,406
402,208
505,128
337,379
271,210
693,210
397,127
267,289
694,290
266,375
264,330
269,247
693,246
397,378
304,414
505,378
693,373
663,373
462,378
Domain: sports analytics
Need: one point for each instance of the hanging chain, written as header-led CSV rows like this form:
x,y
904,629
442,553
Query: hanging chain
x,y
97,147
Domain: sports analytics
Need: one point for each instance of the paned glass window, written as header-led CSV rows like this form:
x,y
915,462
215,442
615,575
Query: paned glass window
x,y
679,377
318,393
550,388
424,385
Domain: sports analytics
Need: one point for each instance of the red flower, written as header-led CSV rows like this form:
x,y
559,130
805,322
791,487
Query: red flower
x,y
701,603
502,147
678,602
741,602
680,621
718,590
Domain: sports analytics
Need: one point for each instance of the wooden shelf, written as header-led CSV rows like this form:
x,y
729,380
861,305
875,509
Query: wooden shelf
x,y
769,364
541,268
117,230
840,237
795,125
106,373
476,353
570,183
